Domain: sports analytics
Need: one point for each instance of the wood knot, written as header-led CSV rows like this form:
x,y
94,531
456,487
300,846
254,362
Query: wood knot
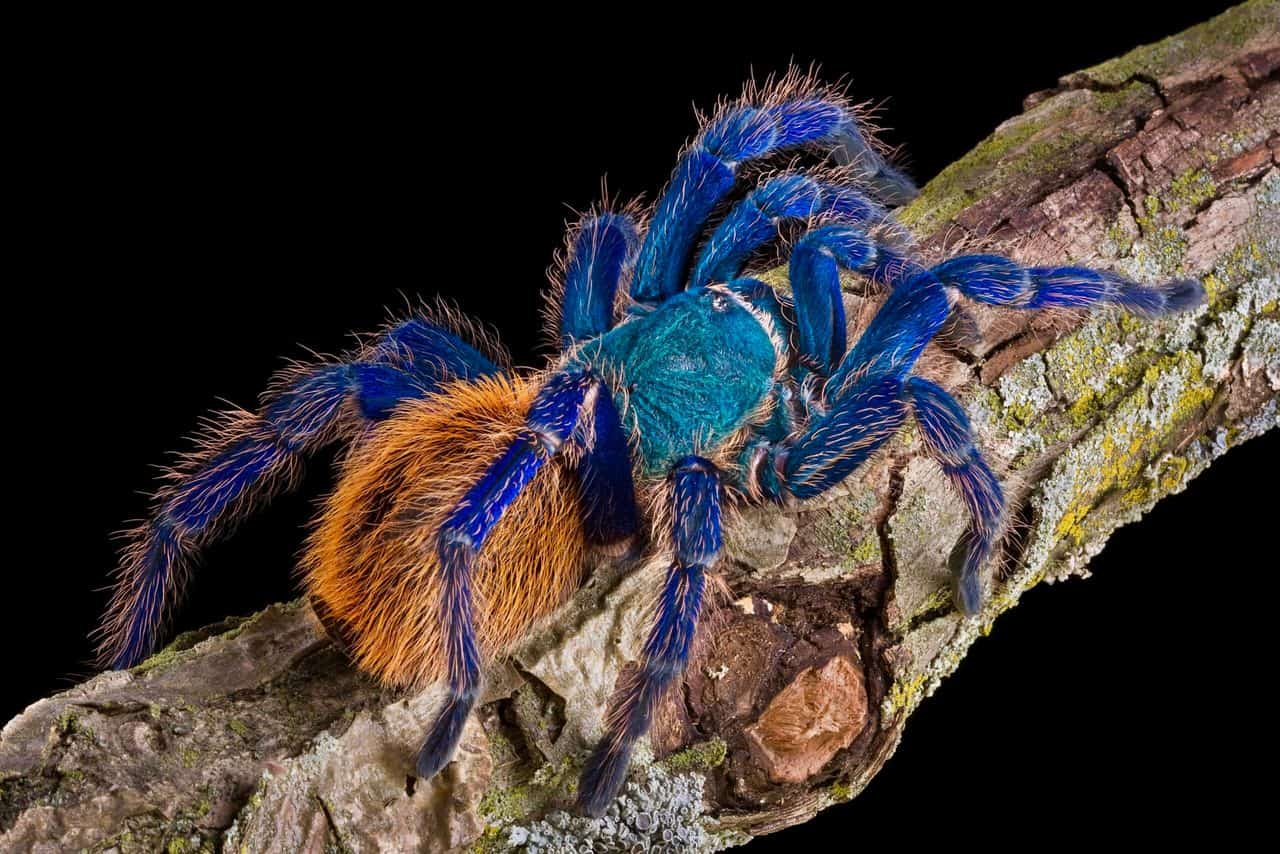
x,y
819,713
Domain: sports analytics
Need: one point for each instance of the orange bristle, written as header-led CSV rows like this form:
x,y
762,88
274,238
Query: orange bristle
x,y
371,565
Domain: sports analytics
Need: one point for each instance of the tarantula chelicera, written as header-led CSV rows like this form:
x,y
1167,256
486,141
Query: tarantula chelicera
x,y
471,493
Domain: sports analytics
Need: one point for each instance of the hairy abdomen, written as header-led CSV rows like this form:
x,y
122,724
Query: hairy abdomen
x,y
371,565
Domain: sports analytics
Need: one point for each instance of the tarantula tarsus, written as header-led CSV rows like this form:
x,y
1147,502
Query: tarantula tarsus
x,y
471,493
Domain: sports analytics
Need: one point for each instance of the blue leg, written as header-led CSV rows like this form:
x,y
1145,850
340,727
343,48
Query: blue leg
x,y
999,281
814,270
430,352
864,403
696,515
250,457
815,286
706,173
893,341
551,422
754,221
949,440
865,416
887,183
604,473
602,250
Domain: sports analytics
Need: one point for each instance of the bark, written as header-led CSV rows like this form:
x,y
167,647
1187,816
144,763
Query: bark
x,y
837,620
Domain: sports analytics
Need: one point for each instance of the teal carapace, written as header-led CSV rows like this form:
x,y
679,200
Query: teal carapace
x,y
688,375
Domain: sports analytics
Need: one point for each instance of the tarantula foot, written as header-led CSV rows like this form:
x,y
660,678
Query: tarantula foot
x,y
1183,294
969,596
442,740
601,780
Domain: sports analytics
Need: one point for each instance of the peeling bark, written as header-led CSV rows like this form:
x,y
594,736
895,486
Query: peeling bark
x,y
837,620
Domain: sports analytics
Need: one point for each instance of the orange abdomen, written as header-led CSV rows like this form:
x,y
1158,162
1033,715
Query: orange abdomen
x,y
371,566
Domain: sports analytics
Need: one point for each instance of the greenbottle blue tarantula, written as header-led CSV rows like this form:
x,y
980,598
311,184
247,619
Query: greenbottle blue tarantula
x,y
470,492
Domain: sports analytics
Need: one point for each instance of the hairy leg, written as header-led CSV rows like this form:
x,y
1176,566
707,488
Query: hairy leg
x,y
602,250
247,458
552,421
997,280
755,220
604,474
707,170
949,440
696,519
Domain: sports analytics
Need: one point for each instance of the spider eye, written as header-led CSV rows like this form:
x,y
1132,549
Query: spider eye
x,y
719,302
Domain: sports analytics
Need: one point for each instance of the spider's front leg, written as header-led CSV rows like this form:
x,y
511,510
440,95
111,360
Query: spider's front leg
x,y
949,440
695,506
600,254
869,393
869,397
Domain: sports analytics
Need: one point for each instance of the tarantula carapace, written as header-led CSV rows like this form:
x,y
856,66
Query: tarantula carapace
x,y
471,493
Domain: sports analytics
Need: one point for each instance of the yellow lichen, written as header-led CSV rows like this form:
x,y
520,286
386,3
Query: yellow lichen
x,y
1126,442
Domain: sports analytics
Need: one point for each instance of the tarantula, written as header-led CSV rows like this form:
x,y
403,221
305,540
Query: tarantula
x,y
471,493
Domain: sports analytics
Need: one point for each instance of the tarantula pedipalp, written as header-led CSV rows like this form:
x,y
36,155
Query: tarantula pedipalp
x,y
471,494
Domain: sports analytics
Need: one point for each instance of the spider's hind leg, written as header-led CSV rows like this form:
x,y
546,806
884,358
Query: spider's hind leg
x,y
250,457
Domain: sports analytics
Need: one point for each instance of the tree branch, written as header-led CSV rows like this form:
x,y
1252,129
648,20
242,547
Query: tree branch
x,y
837,620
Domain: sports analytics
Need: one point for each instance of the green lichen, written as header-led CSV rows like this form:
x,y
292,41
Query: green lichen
x,y
1191,189
1039,142
1128,97
161,660
1164,477
842,536
961,184
227,629
1214,39
868,550
503,805
1118,241
70,725
504,755
845,530
934,602
903,695
1166,246
833,534
702,756
1173,391
1024,392
840,792
177,846
239,727
1092,368
558,777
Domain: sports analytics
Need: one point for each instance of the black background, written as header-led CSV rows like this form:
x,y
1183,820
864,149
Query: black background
x,y
206,199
